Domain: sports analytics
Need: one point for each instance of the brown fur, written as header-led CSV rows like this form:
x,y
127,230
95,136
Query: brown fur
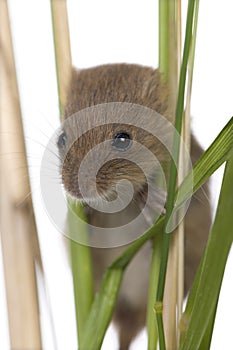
x,y
139,85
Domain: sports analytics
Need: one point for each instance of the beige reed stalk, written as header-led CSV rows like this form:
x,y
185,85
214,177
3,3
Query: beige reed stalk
x,y
62,47
173,295
18,232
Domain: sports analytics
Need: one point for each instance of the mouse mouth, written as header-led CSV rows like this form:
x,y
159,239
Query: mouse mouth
x,y
96,196
82,196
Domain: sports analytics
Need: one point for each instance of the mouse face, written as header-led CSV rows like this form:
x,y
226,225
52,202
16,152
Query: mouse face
x,y
97,161
97,156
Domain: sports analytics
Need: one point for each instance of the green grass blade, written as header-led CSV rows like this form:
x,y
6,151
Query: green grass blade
x,y
200,310
176,144
164,50
104,302
174,161
206,341
163,38
81,268
101,312
154,273
214,156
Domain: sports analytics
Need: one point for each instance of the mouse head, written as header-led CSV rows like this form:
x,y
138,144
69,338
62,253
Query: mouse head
x,y
107,135
109,148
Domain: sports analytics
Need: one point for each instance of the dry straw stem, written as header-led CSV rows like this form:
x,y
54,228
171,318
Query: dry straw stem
x,y
62,47
173,296
173,175
79,254
186,137
174,277
18,231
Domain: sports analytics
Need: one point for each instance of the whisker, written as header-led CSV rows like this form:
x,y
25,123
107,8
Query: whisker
x,y
32,124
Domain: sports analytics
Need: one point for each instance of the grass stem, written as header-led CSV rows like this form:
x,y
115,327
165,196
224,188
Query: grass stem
x,y
174,161
80,254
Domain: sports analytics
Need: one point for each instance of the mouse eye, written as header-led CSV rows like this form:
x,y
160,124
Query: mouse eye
x,y
121,141
61,142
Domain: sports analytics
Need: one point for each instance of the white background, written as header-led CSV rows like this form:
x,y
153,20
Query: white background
x,y
108,31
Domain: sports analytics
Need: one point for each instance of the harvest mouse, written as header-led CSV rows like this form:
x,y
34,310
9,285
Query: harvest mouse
x,y
130,84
